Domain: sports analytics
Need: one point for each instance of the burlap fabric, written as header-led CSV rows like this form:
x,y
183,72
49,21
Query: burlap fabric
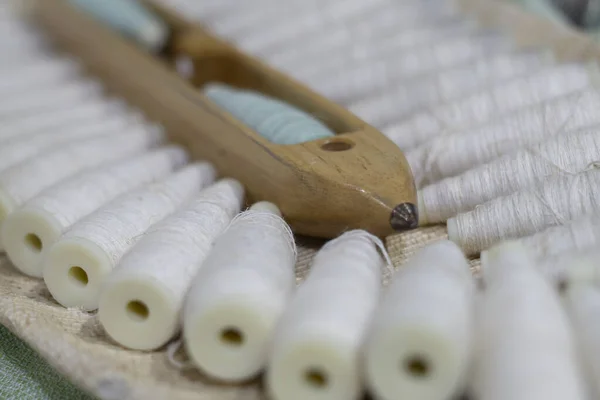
x,y
74,343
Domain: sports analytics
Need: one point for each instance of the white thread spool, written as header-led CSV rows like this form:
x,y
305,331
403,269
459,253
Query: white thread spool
x,y
29,231
572,267
25,180
332,80
358,35
412,39
562,155
575,236
65,118
419,345
50,98
141,301
583,305
490,103
247,19
239,295
452,154
46,73
316,347
19,38
77,264
22,148
390,105
554,202
393,23
524,347
284,30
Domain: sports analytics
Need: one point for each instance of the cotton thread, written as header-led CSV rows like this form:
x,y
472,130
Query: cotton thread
x,y
248,17
563,155
451,154
25,180
316,346
522,330
572,267
282,30
398,20
419,343
493,102
54,71
131,18
388,65
395,104
141,300
575,236
77,264
370,25
29,231
583,305
554,202
380,40
65,118
275,120
50,98
240,293
20,148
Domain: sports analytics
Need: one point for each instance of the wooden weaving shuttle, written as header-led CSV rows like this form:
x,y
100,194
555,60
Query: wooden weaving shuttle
x,y
355,179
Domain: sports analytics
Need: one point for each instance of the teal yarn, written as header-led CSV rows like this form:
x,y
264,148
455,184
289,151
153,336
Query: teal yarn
x,y
129,18
273,119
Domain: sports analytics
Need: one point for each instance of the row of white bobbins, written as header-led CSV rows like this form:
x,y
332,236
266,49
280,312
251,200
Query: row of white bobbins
x,y
229,285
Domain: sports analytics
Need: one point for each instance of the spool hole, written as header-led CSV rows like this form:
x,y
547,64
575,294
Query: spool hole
x,y
232,337
33,242
337,144
78,275
137,310
417,366
316,378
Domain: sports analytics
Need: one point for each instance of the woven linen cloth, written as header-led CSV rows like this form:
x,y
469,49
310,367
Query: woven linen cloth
x,y
74,343
25,375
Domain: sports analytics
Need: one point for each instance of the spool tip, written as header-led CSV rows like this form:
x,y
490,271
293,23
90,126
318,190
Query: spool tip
x,y
404,217
265,206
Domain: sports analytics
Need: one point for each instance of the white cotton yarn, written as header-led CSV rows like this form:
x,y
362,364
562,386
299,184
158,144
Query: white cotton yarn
x,y
283,29
583,305
75,115
373,69
25,180
239,295
248,16
50,72
141,300
575,236
554,202
392,25
572,267
419,346
524,347
28,232
20,148
382,23
381,41
58,97
563,155
77,264
394,103
451,154
551,82
317,345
